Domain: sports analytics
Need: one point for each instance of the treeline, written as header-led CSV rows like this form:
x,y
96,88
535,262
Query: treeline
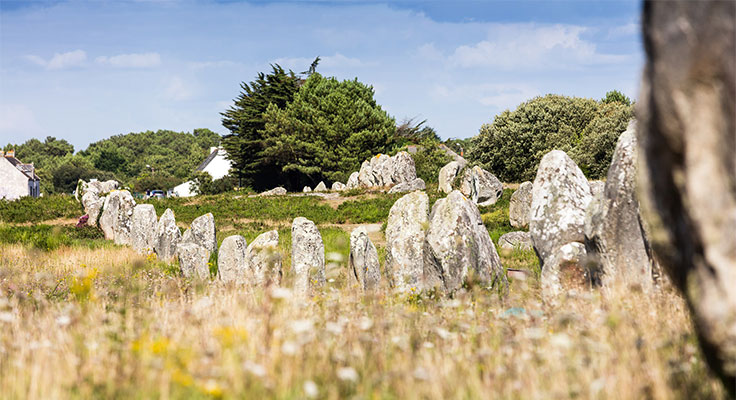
x,y
145,160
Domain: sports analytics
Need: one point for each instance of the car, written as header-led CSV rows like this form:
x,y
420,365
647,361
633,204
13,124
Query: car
x,y
158,194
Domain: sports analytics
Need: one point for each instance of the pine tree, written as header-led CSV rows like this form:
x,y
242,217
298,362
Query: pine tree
x,y
244,120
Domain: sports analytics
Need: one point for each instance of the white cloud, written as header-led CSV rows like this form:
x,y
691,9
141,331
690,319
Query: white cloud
x,y
17,122
428,51
531,46
134,60
178,89
69,59
498,96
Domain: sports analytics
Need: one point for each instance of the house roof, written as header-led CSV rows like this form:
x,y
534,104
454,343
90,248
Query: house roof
x,y
207,160
27,169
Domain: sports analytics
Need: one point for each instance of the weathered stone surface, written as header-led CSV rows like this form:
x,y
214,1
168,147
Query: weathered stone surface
x,y
383,170
115,219
307,256
481,186
321,187
614,237
143,228
448,173
687,179
167,236
264,259
97,187
402,168
597,188
232,262
458,247
365,175
406,228
353,181
92,204
193,260
277,191
518,239
202,232
363,263
520,205
306,189
564,270
560,196
416,184
338,186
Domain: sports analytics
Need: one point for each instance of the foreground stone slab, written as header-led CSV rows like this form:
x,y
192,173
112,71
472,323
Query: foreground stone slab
x,y
363,262
458,246
193,260
264,259
448,173
143,227
115,220
232,262
167,236
307,256
481,186
202,232
406,228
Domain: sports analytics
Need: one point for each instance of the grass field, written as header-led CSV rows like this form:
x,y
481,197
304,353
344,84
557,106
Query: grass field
x,y
82,318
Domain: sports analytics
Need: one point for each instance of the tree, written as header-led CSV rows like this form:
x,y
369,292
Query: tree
x,y
326,132
594,152
413,132
245,120
616,96
512,146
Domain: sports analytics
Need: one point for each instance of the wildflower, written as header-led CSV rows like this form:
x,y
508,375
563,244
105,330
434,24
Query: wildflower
x,y
310,389
347,374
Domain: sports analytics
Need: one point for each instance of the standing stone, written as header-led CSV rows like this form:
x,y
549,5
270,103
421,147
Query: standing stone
x,y
264,259
115,219
321,187
614,236
597,188
92,204
232,262
416,184
564,270
448,173
143,227
365,176
458,246
405,231
560,196
520,205
306,189
518,239
353,181
193,260
202,232
687,179
167,236
481,186
402,169
382,167
307,256
363,262
338,186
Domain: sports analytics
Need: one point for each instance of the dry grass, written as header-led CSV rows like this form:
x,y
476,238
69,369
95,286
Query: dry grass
x,y
106,323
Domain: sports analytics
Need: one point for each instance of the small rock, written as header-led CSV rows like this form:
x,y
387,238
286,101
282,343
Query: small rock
x,y
321,187
338,186
277,191
518,239
520,205
363,263
306,189
416,184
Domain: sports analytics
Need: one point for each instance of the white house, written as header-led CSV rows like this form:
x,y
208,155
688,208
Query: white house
x,y
216,164
17,179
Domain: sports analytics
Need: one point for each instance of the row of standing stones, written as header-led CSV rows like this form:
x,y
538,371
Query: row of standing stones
x,y
582,234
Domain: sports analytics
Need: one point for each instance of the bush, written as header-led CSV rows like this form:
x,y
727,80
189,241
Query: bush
x,y
203,184
429,160
29,209
512,146
47,237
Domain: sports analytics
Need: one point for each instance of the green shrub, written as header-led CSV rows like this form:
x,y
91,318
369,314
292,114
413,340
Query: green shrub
x,y
428,160
29,209
48,237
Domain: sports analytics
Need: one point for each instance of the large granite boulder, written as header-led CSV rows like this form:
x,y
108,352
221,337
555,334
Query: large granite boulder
x,y
193,260
416,184
321,187
406,229
92,204
167,236
363,262
402,168
97,187
383,170
520,205
115,220
687,179
516,240
448,174
307,256
202,232
143,228
232,262
560,196
614,237
480,186
264,259
458,247
353,181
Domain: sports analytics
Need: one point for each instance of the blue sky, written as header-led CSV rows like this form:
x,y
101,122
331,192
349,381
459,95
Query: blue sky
x,y
85,70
